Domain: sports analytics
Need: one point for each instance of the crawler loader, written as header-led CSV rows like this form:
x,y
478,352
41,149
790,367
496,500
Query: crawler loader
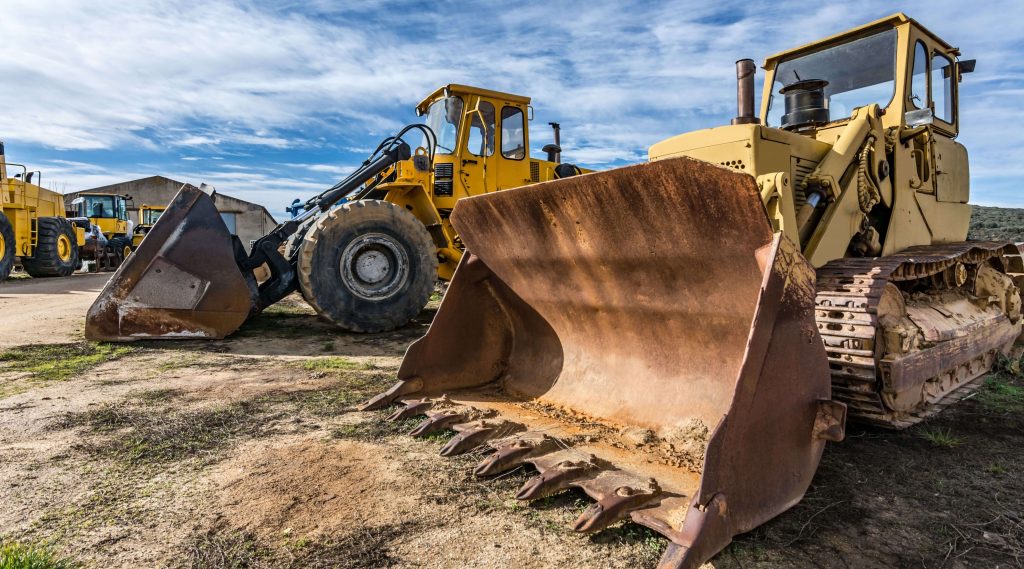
x,y
679,339
366,253
33,226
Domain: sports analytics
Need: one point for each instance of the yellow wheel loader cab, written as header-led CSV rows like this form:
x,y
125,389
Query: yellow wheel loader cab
x,y
33,226
148,215
108,241
678,339
366,253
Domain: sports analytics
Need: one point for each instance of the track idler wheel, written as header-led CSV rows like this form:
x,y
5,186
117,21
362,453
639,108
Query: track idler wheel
x,y
367,266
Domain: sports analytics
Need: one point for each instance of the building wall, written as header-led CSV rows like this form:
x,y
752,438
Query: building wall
x,y
252,221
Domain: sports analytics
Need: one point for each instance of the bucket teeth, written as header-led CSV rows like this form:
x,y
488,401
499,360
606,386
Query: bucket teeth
x,y
475,434
616,498
437,422
512,454
559,475
411,409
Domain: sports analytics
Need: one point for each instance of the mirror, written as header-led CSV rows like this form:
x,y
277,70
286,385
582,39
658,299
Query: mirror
x,y
919,117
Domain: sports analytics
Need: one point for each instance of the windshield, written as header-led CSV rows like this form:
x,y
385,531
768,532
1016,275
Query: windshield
x,y
99,206
859,73
443,118
149,216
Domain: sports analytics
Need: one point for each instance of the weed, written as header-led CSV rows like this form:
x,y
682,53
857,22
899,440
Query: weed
x,y
55,362
158,437
940,437
211,550
14,555
375,429
336,363
328,347
1002,394
995,469
157,396
365,548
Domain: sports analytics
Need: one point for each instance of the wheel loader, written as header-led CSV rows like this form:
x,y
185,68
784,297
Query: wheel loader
x,y
679,339
148,214
33,227
366,253
109,239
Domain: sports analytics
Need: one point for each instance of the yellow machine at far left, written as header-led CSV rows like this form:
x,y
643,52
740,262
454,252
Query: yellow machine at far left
x,y
33,226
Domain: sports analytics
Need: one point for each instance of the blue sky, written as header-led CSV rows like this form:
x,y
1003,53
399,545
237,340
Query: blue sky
x,y
275,100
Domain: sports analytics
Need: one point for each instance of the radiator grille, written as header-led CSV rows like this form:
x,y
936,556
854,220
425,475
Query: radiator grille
x,y
801,168
534,171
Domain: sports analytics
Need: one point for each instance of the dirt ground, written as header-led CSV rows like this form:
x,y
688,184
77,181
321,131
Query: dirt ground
x,y
249,452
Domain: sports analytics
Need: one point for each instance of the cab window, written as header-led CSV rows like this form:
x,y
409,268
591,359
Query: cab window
x,y
481,130
942,87
919,82
513,141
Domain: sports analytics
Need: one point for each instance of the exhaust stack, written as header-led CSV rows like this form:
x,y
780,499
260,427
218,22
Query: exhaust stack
x,y
745,71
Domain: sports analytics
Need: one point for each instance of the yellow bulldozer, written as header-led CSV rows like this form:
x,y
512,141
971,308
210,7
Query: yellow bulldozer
x,y
680,338
366,253
108,240
33,227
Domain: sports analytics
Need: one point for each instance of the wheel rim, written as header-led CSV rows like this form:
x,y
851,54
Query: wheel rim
x,y
127,251
3,247
374,266
63,248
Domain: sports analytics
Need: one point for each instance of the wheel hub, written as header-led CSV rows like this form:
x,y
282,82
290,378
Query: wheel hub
x,y
63,248
374,266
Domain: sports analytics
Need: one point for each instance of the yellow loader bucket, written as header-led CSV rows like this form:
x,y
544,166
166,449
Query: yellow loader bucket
x,y
640,334
182,282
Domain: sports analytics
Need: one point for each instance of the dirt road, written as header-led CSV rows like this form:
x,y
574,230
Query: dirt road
x,y
46,310
249,452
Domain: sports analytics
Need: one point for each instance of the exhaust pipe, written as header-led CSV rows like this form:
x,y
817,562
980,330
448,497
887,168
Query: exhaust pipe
x,y
554,151
745,70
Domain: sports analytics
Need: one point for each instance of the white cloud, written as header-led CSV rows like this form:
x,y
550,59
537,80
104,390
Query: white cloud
x,y
230,78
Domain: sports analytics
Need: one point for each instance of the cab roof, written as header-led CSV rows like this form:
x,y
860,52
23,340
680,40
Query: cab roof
x,y
894,20
455,88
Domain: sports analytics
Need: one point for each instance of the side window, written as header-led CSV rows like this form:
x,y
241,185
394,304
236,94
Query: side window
x,y
513,142
919,81
942,87
481,134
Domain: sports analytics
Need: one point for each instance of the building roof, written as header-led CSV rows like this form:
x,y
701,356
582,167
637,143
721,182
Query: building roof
x,y
109,188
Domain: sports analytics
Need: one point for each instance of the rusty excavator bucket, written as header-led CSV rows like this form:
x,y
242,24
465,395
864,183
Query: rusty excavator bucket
x,y
182,282
640,334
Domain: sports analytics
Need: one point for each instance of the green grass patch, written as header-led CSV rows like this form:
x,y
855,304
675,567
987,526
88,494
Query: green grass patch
x,y
14,555
1002,394
55,362
147,436
337,363
939,437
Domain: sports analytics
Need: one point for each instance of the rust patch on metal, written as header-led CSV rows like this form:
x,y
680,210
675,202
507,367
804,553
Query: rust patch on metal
x,y
654,339
182,282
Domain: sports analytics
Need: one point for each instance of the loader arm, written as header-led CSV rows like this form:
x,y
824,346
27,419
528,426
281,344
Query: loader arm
x,y
189,249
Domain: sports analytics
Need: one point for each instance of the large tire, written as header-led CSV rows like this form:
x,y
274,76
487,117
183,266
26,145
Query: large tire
x,y
367,266
122,248
56,253
7,249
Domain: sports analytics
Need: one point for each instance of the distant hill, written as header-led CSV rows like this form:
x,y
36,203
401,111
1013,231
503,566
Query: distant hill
x,y
997,223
